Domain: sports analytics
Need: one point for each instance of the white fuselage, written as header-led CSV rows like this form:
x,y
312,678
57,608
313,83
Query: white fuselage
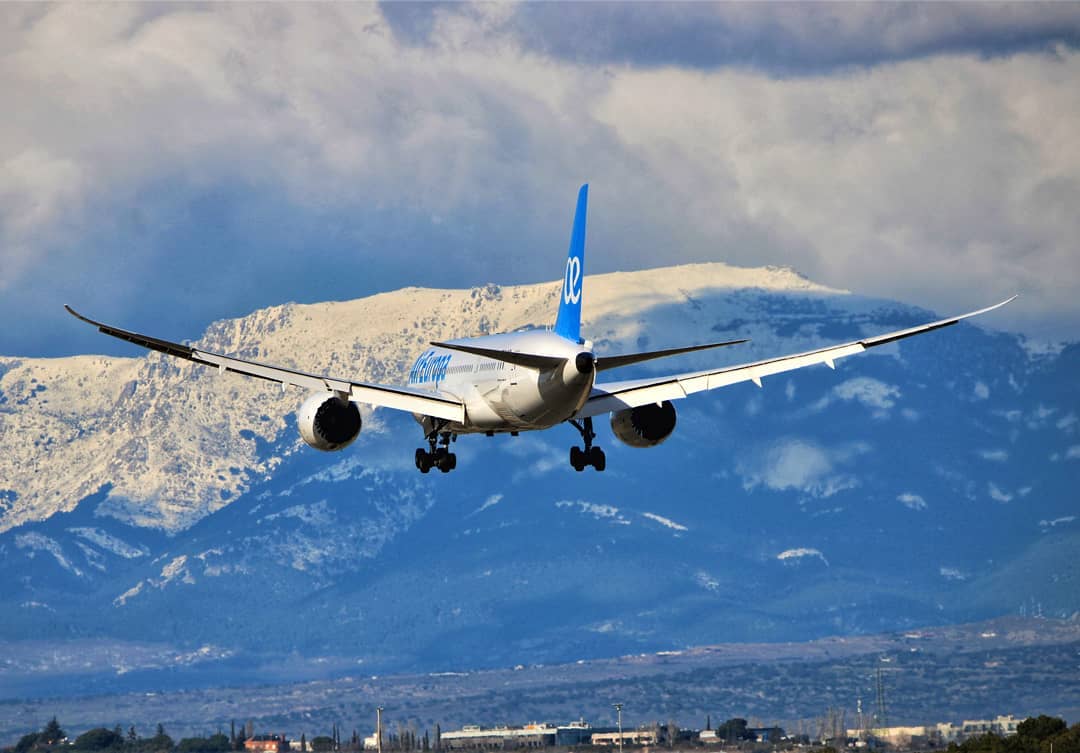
x,y
501,396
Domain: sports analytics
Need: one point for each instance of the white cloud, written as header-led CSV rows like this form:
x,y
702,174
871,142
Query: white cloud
x,y
801,465
1064,520
1073,453
981,391
995,456
491,501
953,573
997,494
884,180
912,501
796,555
665,521
600,512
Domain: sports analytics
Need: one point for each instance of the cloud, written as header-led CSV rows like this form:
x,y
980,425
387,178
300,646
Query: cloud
x,y
781,37
800,465
797,555
173,165
912,501
869,392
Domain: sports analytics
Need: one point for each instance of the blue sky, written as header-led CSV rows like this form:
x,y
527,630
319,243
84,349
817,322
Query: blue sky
x,y
164,166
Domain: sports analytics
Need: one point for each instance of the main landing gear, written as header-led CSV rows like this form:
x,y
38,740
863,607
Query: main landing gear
x,y
594,456
439,455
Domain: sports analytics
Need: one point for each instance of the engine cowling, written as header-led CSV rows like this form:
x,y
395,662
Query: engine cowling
x,y
644,426
328,423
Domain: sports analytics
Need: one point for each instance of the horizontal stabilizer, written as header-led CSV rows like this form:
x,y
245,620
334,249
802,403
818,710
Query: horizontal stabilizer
x,y
613,362
530,360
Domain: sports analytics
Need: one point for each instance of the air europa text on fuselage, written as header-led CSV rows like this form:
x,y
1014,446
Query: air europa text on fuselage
x,y
429,368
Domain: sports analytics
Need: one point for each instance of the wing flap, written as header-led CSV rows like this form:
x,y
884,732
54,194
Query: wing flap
x,y
438,405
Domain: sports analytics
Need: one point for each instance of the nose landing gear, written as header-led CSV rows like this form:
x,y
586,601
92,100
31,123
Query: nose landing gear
x,y
594,456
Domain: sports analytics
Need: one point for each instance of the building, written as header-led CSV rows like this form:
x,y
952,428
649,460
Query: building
x,y
629,737
575,733
475,737
266,744
1000,725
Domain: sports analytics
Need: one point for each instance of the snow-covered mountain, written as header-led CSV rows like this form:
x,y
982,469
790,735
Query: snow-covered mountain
x,y
147,501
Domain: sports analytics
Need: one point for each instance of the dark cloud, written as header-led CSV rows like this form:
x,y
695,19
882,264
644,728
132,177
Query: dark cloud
x,y
777,37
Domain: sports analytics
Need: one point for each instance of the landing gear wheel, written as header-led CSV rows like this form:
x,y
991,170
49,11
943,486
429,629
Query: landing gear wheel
x,y
577,459
597,459
423,460
445,460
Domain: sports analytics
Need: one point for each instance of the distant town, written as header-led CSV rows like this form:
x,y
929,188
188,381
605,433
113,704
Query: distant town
x,y
1001,734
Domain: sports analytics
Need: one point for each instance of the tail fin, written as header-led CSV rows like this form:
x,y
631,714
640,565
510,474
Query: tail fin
x,y
568,323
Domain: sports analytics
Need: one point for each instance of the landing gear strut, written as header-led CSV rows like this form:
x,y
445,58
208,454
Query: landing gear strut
x,y
438,455
594,456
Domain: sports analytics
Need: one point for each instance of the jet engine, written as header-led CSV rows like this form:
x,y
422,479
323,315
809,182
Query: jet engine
x,y
644,426
328,422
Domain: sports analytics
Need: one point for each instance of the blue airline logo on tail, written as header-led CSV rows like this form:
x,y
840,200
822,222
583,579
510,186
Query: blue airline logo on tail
x,y
568,322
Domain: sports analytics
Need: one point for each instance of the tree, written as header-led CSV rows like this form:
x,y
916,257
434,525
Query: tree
x,y
732,730
1041,727
51,734
322,743
99,738
26,742
159,742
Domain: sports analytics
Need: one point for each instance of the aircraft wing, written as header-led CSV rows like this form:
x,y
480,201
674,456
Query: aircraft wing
x,y
613,396
400,398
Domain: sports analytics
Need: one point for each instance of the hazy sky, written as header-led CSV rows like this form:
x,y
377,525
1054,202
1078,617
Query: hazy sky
x,y
163,166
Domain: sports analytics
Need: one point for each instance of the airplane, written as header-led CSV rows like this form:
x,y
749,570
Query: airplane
x,y
521,381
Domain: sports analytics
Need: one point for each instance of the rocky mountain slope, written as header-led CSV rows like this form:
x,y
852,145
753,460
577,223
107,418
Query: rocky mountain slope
x,y
151,504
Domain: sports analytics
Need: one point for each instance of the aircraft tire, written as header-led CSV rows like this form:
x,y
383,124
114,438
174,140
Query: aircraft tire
x,y
577,459
597,459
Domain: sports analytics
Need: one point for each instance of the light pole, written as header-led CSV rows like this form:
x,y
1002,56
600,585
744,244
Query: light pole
x,y
618,709
378,729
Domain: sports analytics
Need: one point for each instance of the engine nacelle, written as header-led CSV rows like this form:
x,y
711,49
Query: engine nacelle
x,y
644,426
328,423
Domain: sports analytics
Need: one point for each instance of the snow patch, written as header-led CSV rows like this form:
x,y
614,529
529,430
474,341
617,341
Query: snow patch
x,y
599,512
665,521
1048,524
318,514
129,594
110,543
706,581
796,555
37,542
175,570
491,501
912,501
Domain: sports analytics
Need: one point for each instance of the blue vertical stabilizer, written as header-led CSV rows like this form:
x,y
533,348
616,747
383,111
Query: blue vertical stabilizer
x,y
568,323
